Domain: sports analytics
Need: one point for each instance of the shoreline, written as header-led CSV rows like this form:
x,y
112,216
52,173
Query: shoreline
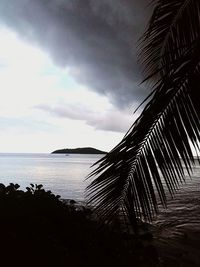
x,y
37,222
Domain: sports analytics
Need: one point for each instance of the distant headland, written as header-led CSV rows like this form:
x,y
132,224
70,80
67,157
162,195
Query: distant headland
x,y
80,150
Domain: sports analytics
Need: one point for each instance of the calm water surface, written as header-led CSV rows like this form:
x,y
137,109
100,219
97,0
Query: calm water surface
x,y
62,174
65,175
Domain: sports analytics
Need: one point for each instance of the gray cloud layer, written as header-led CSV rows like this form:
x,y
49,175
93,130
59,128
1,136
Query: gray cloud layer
x,y
111,120
95,39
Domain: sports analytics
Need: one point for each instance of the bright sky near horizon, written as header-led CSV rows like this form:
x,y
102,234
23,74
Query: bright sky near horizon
x,y
67,79
33,90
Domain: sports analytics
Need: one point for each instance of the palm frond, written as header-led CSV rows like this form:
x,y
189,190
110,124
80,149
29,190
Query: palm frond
x,y
136,174
173,27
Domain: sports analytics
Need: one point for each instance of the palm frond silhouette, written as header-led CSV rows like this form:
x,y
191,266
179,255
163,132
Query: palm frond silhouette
x,y
135,176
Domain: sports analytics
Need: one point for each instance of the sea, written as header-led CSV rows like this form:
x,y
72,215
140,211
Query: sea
x,y
65,175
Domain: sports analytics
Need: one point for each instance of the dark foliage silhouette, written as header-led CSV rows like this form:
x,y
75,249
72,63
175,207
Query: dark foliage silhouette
x,y
38,229
135,176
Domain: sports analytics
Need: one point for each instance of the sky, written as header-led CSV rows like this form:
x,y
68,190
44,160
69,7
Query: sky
x,y
69,72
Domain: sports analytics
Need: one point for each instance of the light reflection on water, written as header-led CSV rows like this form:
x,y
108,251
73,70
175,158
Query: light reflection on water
x,y
62,174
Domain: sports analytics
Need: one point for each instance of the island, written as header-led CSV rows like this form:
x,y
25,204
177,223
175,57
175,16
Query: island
x,y
80,150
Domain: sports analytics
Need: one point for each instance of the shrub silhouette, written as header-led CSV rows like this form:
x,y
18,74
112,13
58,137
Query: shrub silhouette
x,y
38,229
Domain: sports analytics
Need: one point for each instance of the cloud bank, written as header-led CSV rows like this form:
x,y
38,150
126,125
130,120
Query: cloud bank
x,y
110,120
96,40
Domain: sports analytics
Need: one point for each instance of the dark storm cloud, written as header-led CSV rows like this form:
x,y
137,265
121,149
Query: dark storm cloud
x,y
95,39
